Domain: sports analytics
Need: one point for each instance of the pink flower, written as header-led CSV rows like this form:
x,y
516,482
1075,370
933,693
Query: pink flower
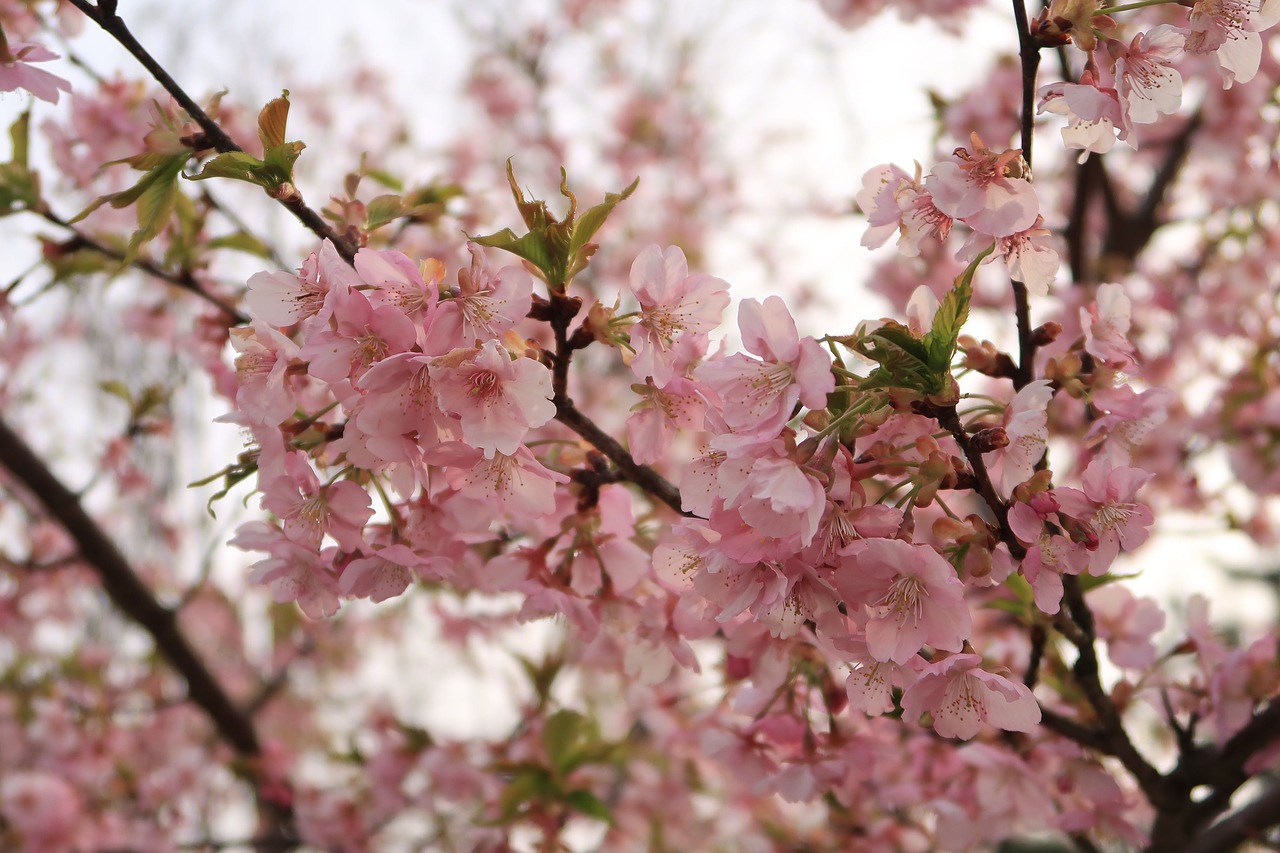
x,y
400,282
1026,423
1130,418
1094,117
986,189
1027,255
516,484
869,686
659,414
760,394
773,493
1051,556
1127,624
398,399
1107,506
1229,29
484,306
364,335
673,306
1106,327
913,595
961,696
17,73
384,574
497,398
878,199
262,357
1147,85
43,810
895,201
310,510
282,298
294,572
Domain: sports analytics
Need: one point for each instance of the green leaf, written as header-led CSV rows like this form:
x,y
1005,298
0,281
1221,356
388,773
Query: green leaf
x,y
1092,582
19,188
241,241
562,735
529,783
948,320
237,165
594,217
230,475
272,120
532,247
117,388
385,178
902,357
154,206
280,160
589,804
164,171
560,249
1007,605
20,135
383,209
1021,590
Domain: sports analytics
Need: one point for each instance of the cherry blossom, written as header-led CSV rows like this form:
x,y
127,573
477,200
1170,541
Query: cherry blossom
x,y
282,298
961,696
789,369
1107,504
1095,118
1106,327
987,189
1229,29
673,305
497,398
16,71
483,306
1026,423
913,596
363,335
1146,83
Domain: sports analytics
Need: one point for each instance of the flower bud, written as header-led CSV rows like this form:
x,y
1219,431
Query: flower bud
x,y
987,440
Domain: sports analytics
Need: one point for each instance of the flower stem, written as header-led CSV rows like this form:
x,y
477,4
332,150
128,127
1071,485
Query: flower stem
x,y
1129,7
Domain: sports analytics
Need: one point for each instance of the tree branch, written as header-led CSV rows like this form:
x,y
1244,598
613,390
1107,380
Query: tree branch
x,y
1245,824
1085,671
104,15
642,475
127,592
183,280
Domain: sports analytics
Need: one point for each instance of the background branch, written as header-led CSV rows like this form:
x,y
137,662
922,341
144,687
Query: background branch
x,y
127,592
104,15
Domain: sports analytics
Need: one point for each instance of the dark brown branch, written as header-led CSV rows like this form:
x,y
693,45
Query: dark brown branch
x,y
1129,234
949,420
1248,823
127,592
104,15
642,475
1029,54
1085,671
183,280
1075,732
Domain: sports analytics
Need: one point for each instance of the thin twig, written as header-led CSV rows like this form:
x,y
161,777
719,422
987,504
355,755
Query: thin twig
x,y
184,279
103,14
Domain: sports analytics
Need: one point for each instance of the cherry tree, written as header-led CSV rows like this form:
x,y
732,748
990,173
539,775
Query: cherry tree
x,y
872,587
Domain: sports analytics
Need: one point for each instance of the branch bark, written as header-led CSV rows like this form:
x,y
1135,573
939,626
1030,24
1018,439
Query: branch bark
x,y
127,592
104,15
